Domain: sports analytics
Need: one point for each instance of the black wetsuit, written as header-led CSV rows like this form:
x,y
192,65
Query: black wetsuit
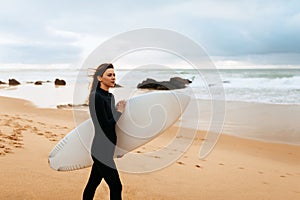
x,y
104,116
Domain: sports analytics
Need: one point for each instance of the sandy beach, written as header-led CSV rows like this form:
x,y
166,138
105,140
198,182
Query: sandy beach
x,y
237,168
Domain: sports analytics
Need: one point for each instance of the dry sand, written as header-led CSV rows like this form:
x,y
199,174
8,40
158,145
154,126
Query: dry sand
x,y
236,168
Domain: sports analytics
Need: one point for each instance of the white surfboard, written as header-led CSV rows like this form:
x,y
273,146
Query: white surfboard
x,y
145,117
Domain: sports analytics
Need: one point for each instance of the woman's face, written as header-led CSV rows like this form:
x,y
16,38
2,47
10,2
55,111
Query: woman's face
x,y
108,79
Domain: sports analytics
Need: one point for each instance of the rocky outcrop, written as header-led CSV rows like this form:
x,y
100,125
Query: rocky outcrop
x,y
13,82
2,83
59,82
38,83
69,106
172,84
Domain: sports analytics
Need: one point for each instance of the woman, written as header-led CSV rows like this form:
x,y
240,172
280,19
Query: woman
x,y
104,115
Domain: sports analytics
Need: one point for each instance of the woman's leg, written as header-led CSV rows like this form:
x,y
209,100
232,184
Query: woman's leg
x,y
111,177
93,182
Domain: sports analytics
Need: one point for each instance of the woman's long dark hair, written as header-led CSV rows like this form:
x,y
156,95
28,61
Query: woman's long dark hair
x,y
96,83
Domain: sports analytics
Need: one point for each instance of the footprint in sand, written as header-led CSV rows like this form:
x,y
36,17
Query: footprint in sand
x,y
7,150
18,145
17,131
282,176
12,142
35,129
221,164
41,123
180,163
54,135
13,137
27,127
198,166
260,172
48,134
8,123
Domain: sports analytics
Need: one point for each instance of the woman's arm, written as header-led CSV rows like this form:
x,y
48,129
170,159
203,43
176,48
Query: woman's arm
x,y
102,109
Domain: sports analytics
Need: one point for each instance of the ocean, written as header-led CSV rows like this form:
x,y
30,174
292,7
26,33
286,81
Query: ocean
x,y
263,87
272,86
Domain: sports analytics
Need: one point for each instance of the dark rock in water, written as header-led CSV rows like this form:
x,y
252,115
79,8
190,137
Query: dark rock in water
x,y
2,83
152,84
172,84
13,82
38,83
59,82
69,106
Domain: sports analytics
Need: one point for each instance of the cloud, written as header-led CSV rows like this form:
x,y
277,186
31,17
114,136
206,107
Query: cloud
x,y
38,53
67,31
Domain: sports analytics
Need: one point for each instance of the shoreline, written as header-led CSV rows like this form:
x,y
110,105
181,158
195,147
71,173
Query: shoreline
x,y
27,91
234,113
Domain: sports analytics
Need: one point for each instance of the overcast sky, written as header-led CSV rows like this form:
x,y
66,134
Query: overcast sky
x,y
236,33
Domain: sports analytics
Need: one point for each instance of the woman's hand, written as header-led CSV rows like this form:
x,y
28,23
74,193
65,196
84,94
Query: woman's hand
x,y
121,106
